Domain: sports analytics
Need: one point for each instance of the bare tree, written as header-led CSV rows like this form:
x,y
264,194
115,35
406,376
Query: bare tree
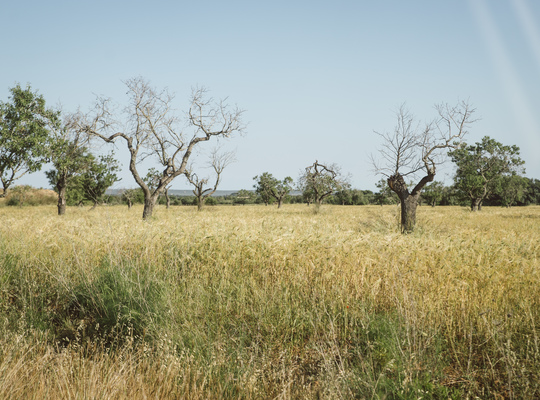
x,y
415,151
218,162
129,195
152,129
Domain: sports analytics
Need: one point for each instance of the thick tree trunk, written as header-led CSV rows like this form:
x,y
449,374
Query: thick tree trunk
x,y
130,203
408,200
409,204
61,187
200,204
280,202
476,204
149,204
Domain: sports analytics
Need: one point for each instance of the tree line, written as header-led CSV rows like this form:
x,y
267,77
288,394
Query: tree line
x,y
149,128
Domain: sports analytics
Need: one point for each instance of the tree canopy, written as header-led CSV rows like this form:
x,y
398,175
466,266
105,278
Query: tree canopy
x,y
25,127
152,129
481,168
270,188
319,181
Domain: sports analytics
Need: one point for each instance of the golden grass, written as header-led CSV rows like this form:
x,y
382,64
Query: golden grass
x,y
469,281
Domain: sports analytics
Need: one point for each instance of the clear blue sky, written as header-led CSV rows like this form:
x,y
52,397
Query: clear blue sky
x,y
316,78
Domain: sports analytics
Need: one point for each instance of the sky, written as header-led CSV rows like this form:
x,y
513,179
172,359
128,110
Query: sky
x,y
316,78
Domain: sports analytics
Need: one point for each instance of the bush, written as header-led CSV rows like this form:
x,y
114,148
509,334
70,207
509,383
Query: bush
x,y
113,304
119,302
210,201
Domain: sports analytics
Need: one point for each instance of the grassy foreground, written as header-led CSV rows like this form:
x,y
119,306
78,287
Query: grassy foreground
x,y
254,302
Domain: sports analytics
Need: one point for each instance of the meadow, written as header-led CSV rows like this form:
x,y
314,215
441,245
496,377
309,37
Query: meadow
x,y
252,302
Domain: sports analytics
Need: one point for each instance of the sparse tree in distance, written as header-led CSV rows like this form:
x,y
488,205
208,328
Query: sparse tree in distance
x,y
128,195
481,167
99,175
433,193
243,197
385,195
152,129
319,181
344,195
25,127
218,162
414,151
270,188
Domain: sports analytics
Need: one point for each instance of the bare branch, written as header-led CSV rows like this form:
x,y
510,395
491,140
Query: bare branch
x,y
152,129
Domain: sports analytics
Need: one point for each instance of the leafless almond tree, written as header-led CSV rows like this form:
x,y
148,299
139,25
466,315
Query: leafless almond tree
x,y
414,151
218,162
151,128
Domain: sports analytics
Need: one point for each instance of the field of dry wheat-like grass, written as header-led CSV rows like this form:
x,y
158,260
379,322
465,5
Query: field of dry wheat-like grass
x,y
256,302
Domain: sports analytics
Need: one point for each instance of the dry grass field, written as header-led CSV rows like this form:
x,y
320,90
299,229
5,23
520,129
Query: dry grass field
x,y
254,302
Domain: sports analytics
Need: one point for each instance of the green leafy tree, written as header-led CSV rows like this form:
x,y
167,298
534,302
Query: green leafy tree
x,y
385,195
512,189
243,197
532,194
361,197
433,193
97,178
481,168
70,158
319,181
270,188
25,127
344,196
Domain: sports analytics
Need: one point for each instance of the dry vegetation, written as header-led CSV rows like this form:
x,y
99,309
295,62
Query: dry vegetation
x,y
255,302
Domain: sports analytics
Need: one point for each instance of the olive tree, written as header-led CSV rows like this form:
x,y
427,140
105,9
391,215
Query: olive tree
x,y
414,151
152,129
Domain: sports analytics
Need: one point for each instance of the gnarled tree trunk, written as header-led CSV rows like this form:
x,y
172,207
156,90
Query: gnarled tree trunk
x,y
149,204
409,200
200,203
408,212
476,204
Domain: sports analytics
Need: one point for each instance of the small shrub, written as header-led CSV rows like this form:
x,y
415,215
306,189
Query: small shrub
x,y
117,303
